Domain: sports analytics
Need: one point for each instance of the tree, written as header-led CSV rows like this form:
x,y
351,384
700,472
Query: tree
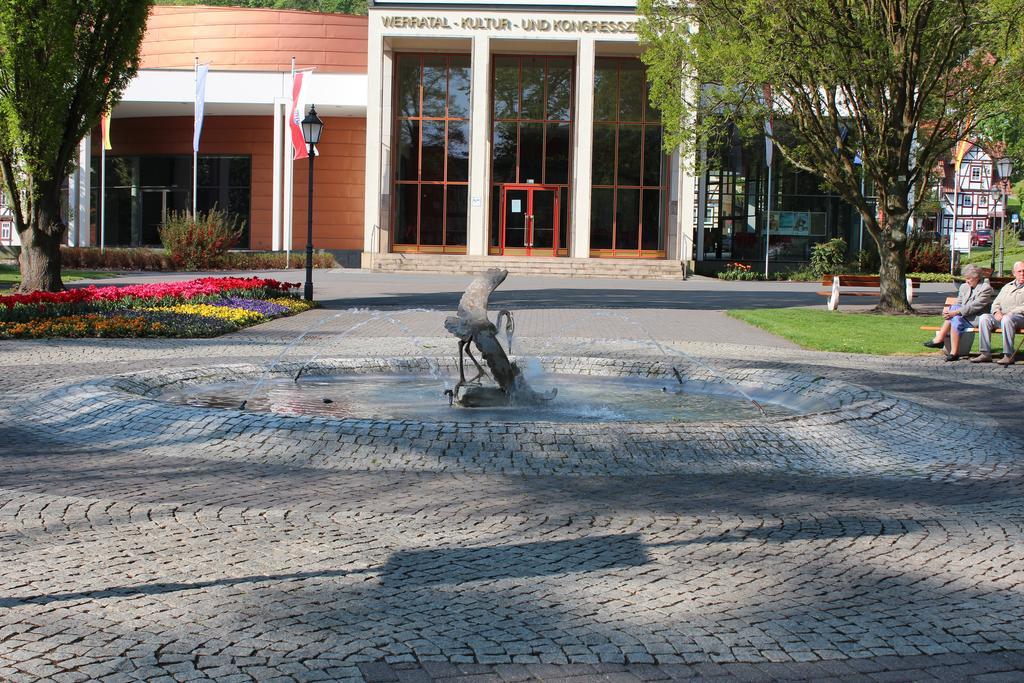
x,y
896,82
329,6
62,64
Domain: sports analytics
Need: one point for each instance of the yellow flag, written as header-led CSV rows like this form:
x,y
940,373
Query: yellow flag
x,y
962,146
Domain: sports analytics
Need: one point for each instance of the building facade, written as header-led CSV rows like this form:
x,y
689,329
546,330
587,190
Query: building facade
x,y
456,136
516,132
967,199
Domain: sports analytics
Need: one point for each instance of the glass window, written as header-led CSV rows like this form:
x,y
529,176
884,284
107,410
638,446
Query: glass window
x,y
142,190
408,85
628,162
506,87
458,88
556,159
407,167
533,88
631,91
606,90
630,138
432,152
458,150
559,88
435,86
504,148
601,217
431,214
603,161
531,161
532,128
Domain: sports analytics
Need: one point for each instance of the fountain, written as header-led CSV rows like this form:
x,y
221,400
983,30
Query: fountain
x,y
473,328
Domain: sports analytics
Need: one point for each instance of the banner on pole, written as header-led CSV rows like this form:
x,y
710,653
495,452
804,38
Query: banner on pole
x,y
105,130
201,71
298,106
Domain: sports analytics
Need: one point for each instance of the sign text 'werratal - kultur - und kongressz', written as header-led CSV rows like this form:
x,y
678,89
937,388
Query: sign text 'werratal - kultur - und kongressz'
x,y
500,24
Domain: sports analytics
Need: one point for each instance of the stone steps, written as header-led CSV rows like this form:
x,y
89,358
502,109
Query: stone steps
x,y
636,269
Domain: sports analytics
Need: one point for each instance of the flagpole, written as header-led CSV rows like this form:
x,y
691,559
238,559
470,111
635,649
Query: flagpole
x,y
195,151
288,186
768,223
103,190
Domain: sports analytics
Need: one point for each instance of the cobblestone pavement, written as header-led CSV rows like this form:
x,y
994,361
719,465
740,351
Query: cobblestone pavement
x,y
878,540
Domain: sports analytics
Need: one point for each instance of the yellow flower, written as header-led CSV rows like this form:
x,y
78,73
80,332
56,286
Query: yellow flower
x,y
237,316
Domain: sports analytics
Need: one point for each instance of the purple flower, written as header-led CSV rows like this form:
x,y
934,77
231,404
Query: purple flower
x,y
267,308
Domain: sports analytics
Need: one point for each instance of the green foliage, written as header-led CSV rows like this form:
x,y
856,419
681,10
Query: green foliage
x,y
932,277
828,257
739,271
924,256
330,6
895,83
62,64
867,261
199,242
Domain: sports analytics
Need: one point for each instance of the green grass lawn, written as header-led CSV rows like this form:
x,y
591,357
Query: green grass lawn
x,y
824,330
9,275
982,256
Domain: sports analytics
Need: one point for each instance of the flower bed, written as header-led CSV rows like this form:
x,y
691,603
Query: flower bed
x,y
204,307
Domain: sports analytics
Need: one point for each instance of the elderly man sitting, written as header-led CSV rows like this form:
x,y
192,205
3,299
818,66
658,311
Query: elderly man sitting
x,y
1007,313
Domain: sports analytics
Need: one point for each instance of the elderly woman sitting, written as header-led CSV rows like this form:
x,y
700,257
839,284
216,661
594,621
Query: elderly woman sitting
x,y
973,299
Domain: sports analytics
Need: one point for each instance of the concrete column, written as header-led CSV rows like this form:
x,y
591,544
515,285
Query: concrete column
x,y
280,104
372,202
582,151
687,205
387,126
480,149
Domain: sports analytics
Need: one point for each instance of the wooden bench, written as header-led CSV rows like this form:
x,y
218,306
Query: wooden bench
x,y
858,285
969,331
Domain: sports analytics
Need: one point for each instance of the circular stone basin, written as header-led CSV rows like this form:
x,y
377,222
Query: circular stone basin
x,y
421,397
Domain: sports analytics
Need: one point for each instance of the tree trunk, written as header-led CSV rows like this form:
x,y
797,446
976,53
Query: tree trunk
x,y
892,273
40,252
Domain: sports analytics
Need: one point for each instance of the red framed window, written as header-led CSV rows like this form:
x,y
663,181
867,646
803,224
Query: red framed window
x,y
431,152
629,174
532,118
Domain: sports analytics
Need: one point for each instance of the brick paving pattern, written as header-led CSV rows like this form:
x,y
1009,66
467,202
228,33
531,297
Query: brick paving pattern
x,y
877,539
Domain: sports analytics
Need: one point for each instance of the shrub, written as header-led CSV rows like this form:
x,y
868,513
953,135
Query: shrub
x,y
828,257
135,258
199,242
926,257
739,271
868,261
261,260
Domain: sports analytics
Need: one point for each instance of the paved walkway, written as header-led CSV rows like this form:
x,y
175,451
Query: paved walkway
x,y
193,559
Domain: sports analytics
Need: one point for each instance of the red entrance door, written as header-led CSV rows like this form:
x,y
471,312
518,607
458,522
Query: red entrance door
x,y
529,220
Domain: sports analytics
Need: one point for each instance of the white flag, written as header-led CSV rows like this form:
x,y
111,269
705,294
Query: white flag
x,y
200,101
769,147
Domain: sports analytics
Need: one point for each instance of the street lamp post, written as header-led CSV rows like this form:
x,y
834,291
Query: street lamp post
x,y
1004,167
312,127
994,193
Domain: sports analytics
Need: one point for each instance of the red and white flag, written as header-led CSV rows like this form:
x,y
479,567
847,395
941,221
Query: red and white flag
x,y
297,112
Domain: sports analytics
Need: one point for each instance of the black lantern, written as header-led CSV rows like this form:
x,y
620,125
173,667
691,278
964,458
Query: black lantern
x,y
312,127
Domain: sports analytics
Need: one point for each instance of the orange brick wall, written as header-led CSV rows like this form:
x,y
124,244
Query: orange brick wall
x,y
338,178
253,39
